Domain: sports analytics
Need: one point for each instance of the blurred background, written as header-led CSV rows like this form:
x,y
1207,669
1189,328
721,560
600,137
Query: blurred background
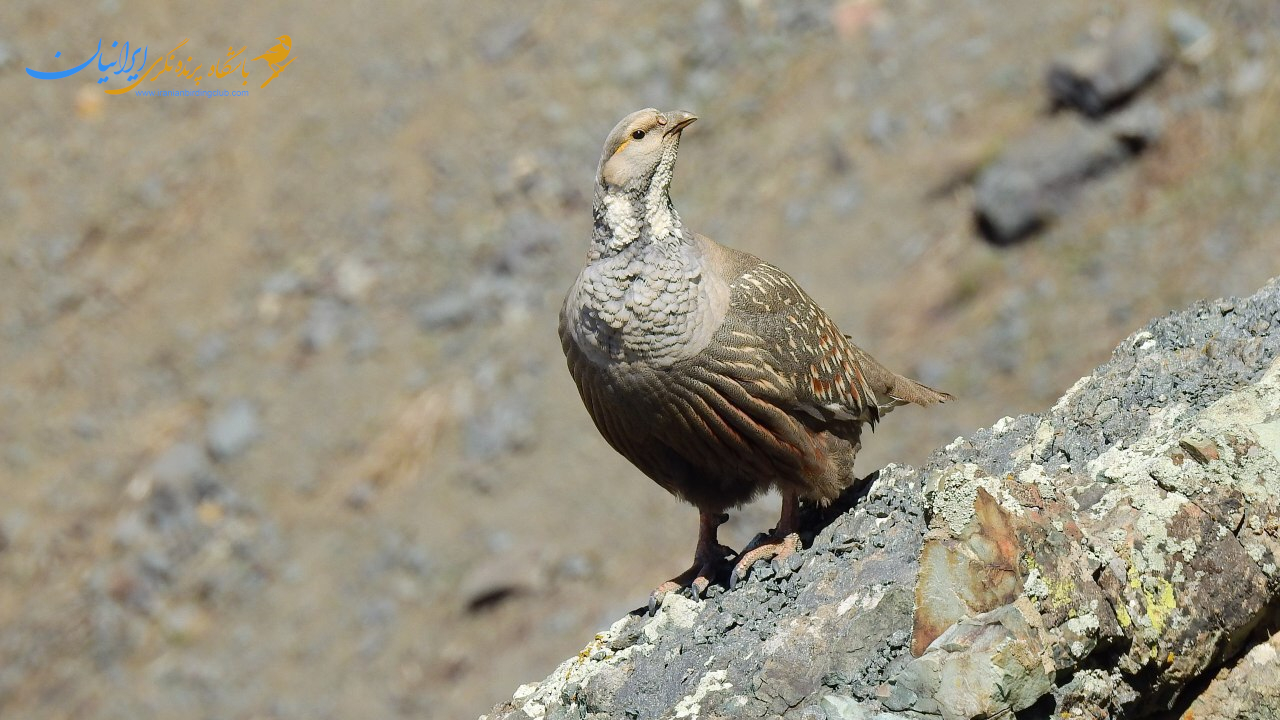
x,y
285,429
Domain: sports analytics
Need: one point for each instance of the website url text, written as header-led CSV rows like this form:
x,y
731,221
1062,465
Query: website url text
x,y
190,93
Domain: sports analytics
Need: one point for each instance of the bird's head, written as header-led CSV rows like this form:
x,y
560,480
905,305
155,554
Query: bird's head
x,y
641,150
286,41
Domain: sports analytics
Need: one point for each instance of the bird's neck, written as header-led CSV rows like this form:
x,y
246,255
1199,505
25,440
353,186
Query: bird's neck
x,y
641,296
634,220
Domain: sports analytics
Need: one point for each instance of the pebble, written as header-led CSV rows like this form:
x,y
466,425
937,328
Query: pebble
x,y
360,495
503,425
1249,78
845,197
882,127
364,342
1138,125
501,41
232,430
85,426
181,464
211,349
796,213
496,579
1194,37
353,279
285,282
938,117
575,567
447,311
185,623
323,324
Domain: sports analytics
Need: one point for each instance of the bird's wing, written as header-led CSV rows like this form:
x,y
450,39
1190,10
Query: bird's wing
x,y
804,362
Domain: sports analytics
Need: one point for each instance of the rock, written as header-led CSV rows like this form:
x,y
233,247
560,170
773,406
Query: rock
x,y
504,39
365,341
1033,180
184,463
1249,79
882,127
211,350
1065,564
353,279
1249,690
1138,125
1193,36
498,578
500,425
285,282
361,494
982,666
1099,77
448,311
85,426
232,430
323,324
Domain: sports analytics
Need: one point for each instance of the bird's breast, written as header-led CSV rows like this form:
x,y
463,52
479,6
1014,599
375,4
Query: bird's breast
x,y
637,310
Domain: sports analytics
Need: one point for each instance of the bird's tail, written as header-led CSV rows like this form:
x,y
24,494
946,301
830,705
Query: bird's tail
x,y
907,390
893,389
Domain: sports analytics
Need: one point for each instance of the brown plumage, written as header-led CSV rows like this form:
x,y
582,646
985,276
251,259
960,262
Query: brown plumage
x,y
709,369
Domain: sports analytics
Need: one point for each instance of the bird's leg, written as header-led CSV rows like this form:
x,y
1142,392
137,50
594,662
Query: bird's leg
x,y
779,545
708,559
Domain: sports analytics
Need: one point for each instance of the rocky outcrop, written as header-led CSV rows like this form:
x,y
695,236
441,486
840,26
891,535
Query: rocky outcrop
x,y
1116,556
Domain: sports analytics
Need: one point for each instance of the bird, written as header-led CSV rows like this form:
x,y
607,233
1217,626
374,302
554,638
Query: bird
x,y
708,368
277,53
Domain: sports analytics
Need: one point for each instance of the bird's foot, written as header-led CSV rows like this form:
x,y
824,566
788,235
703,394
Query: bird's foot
x,y
777,549
698,577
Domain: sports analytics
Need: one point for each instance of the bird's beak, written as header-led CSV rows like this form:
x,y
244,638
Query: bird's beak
x,y
679,120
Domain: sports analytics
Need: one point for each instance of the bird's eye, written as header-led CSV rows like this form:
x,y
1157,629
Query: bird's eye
x,y
638,134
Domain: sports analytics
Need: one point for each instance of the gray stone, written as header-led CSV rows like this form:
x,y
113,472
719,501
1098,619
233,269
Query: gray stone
x,y
882,127
499,424
324,322
182,464
1097,78
1193,35
210,350
1250,78
285,282
448,311
1033,180
1138,125
232,430
504,39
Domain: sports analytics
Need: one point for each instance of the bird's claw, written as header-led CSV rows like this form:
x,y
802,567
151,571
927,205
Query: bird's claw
x,y
697,578
769,548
